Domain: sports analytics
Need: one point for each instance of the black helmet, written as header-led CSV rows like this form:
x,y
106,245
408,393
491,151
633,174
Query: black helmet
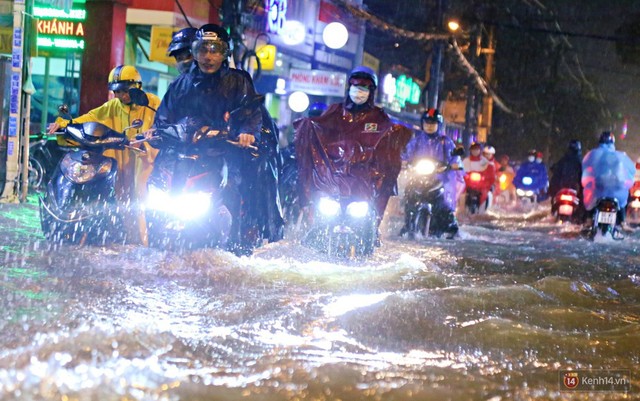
x,y
607,137
181,40
532,152
432,115
214,37
363,72
575,145
475,145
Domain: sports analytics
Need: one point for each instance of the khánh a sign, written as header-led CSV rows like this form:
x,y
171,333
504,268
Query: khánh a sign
x,y
60,30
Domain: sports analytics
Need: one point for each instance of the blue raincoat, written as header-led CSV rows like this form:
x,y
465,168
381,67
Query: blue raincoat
x,y
437,147
606,172
538,174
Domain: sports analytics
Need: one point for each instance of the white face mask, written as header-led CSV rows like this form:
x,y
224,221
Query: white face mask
x,y
358,94
538,160
531,158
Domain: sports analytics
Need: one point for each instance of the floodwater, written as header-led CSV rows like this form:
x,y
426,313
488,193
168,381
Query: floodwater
x,y
494,315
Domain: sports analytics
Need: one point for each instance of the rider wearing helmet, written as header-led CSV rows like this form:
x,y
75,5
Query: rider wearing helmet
x,y
432,143
355,120
566,173
477,162
118,114
180,48
205,95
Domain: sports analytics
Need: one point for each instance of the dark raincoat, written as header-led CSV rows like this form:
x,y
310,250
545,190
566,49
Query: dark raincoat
x,y
206,99
350,151
566,172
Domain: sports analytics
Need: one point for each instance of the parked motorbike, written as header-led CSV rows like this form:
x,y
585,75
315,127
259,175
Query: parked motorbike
x,y
423,192
343,226
44,155
605,219
79,203
189,187
564,205
475,192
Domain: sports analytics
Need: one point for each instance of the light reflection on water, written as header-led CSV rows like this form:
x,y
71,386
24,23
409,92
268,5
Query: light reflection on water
x,y
493,315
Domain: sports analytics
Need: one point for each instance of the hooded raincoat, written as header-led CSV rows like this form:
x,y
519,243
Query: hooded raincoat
x,y
606,172
350,150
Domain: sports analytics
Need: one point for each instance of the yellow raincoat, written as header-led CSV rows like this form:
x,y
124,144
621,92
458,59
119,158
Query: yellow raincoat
x,y
134,168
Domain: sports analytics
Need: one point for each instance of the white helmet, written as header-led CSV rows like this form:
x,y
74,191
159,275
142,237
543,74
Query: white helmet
x,y
490,150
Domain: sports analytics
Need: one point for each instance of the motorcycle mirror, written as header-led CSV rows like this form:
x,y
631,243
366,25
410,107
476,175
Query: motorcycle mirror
x,y
457,152
138,97
63,109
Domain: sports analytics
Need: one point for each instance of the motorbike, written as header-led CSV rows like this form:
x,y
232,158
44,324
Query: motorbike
x,y
343,227
633,205
423,192
79,202
564,205
289,186
44,155
187,199
605,219
528,190
475,189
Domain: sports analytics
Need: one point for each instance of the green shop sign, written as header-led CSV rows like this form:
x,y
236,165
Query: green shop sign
x,y
60,30
407,90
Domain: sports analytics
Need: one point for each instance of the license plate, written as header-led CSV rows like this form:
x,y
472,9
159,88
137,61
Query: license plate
x,y
607,218
565,210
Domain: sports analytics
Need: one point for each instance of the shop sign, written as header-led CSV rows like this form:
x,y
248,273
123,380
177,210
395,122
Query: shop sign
x,y
160,40
276,15
267,56
58,29
317,82
407,90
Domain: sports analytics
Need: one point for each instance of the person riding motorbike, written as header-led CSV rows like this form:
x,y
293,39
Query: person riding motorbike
x,y
476,162
119,113
431,142
204,96
504,190
567,173
607,172
180,48
534,172
353,148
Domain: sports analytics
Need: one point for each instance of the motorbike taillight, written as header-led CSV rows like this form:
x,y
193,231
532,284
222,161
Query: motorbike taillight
x,y
566,198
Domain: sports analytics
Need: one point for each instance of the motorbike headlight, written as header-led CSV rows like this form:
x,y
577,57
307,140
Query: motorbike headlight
x,y
519,192
475,177
503,178
528,193
358,209
636,193
183,206
425,167
157,199
328,207
527,180
82,173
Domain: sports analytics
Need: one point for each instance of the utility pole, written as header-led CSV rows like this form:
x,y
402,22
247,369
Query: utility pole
x,y
485,118
470,122
434,86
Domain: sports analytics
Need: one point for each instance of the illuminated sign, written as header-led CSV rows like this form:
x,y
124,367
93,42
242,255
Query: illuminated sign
x,y
276,15
60,30
407,90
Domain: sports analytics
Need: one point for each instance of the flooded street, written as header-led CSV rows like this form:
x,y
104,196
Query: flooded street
x,y
494,315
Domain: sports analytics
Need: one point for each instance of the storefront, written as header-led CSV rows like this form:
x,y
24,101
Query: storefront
x,y
314,45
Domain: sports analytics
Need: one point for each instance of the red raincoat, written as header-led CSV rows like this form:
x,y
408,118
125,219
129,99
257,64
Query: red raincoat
x,y
347,153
